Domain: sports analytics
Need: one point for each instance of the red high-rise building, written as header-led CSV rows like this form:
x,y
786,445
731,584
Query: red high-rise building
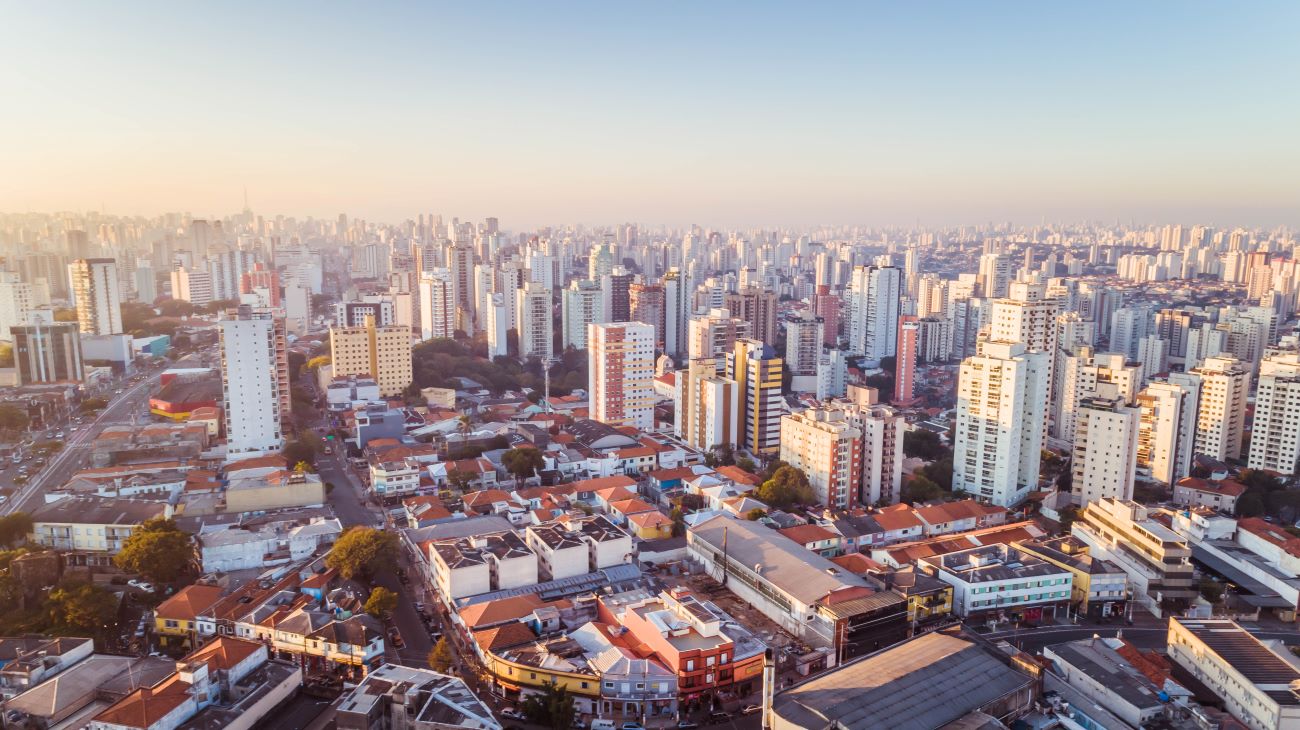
x,y
827,306
905,361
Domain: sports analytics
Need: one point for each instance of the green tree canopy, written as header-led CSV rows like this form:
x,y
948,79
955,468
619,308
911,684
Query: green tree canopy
x,y
552,707
158,550
924,445
14,528
921,489
363,551
381,602
13,420
440,656
81,607
302,449
787,487
523,462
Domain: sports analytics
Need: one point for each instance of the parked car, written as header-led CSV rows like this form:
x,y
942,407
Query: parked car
x,y
512,713
687,725
716,718
633,726
750,709
141,585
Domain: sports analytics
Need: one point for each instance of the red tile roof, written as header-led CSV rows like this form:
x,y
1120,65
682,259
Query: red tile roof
x,y
189,602
804,534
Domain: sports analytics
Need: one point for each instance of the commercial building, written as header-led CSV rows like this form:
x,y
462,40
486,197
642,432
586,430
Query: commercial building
x,y
621,374
479,564
92,524
1002,396
938,680
15,302
383,353
1156,559
1256,685
255,378
819,602
47,353
998,582
758,374
1103,672
193,286
823,444
1098,588
96,295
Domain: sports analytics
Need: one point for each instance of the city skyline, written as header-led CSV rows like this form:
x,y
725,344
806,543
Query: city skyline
x,y
722,117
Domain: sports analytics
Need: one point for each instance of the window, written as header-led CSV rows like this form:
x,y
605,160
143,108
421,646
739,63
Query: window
x,y
690,665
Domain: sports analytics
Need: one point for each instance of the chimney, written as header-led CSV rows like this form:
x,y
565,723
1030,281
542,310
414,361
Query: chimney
x,y
769,687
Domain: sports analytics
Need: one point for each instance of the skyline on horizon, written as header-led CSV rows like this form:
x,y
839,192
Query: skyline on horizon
x,y
763,116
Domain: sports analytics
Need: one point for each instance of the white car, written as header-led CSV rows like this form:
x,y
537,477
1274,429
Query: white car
x,y
140,585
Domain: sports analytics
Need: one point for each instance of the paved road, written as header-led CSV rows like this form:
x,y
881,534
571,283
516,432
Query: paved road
x,y
76,448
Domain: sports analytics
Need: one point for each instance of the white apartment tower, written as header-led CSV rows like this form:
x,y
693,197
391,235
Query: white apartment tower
x,y
97,296
580,305
1275,437
15,303
1001,413
707,406
1105,450
873,311
714,335
1221,414
803,343
536,338
621,363
437,297
1086,374
255,378
1167,427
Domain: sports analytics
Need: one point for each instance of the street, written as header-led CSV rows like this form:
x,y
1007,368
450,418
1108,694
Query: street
x,y
76,447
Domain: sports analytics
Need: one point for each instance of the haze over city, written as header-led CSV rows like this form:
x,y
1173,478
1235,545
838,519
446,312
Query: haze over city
x,y
727,114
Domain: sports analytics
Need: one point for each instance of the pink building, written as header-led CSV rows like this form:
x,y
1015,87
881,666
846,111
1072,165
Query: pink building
x,y
905,363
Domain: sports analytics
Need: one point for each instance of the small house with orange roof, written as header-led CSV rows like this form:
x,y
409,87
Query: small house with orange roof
x,y
815,538
621,510
651,525
425,510
175,619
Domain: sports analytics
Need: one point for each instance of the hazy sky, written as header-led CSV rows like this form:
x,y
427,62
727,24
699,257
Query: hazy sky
x,y
716,113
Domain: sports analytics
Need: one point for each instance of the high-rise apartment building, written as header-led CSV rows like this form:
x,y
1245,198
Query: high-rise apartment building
x,y
1086,374
621,364
498,326
580,305
824,445
757,307
15,302
1167,429
827,306
1221,412
47,353
383,353
536,336
193,286
1105,450
617,289
995,275
1001,410
873,311
437,300
677,311
757,371
255,378
803,343
1275,435
909,331
714,335
707,406
647,305
97,296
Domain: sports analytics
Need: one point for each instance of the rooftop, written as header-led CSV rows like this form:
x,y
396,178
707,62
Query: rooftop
x,y
1247,655
99,511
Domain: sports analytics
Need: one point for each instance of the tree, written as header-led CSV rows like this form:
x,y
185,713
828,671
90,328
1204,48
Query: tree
x,y
1211,590
746,463
296,362
679,522
14,528
755,514
523,463
460,480
787,487
924,445
81,607
302,449
317,362
363,551
921,489
13,420
440,656
771,469
1250,505
93,404
158,550
552,708
381,602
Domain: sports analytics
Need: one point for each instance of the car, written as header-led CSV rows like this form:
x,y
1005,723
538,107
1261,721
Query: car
x,y
512,713
719,717
419,608
750,709
687,725
141,585
58,435
632,726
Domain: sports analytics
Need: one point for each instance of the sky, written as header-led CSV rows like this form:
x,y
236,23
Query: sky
x,y
717,113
